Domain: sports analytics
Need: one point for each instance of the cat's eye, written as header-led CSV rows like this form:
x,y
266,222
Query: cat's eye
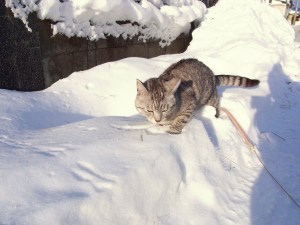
x,y
165,109
149,111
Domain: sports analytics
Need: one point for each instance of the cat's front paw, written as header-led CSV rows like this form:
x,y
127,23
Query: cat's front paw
x,y
173,130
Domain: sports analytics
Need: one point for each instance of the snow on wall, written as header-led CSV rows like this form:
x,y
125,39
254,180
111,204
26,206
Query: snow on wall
x,y
93,19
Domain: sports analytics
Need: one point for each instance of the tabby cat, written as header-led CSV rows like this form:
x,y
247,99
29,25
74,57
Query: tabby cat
x,y
181,89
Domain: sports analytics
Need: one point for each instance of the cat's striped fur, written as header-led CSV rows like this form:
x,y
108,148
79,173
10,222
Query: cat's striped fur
x,y
180,90
230,80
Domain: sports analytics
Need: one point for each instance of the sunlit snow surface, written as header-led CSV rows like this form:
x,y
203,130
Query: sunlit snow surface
x,y
78,153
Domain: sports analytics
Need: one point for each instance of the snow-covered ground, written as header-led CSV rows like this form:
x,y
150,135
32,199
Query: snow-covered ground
x,y
78,153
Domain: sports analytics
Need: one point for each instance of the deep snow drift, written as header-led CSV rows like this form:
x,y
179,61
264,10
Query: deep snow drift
x,y
78,153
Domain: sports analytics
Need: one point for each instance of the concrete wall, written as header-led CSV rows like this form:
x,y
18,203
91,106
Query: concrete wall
x,y
34,61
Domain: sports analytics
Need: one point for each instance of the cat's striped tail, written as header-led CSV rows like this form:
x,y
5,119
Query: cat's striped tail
x,y
231,80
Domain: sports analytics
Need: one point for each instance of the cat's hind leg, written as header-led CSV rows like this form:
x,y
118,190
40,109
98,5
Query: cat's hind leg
x,y
217,115
215,102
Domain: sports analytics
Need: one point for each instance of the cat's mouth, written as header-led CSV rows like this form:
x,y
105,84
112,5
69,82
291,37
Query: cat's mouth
x,y
162,123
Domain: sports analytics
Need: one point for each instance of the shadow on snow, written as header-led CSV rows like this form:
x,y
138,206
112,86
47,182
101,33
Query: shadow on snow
x,y
277,120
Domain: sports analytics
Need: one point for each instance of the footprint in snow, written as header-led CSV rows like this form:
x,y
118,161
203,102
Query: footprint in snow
x,y
88,173
50,151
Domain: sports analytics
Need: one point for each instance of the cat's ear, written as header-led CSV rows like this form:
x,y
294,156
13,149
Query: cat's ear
x,y
141,90
172,85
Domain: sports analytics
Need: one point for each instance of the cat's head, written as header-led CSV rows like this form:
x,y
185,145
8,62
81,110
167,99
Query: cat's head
x,y
155,99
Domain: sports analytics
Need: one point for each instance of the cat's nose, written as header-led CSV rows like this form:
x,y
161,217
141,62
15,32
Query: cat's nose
x,y
157,117
157,120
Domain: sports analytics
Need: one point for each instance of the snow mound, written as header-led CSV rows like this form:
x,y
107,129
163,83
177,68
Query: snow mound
x,y
78,153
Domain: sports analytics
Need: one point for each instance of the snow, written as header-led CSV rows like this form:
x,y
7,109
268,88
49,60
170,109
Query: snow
x,y
163,20
78,153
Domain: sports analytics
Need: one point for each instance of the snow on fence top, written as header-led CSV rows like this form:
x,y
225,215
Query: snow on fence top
x,y
94,19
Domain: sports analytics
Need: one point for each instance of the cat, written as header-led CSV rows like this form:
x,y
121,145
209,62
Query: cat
x,y
181,89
